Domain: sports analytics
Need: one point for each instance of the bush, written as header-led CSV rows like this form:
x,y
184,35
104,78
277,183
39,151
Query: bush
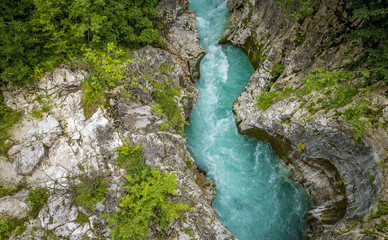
x,y
106,72
165,97
38,35
266,99
299,9
8,117
37,198
277,70
90,191
146,199
7,225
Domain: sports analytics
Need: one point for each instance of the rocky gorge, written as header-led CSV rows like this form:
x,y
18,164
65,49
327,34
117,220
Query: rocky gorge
x,y
56,145
346,177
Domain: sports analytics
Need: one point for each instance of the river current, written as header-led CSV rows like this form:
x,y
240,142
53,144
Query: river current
x,y
255,199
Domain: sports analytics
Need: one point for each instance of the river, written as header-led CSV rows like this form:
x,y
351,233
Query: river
x,y
255,199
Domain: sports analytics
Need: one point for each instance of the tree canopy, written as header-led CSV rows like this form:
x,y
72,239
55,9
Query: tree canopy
x,y
37,35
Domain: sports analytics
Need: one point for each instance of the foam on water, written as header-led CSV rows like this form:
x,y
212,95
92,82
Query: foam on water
x,y
255,199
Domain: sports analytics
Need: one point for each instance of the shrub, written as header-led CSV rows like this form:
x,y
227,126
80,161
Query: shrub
x,y
90,191
146,201
7,225
106,72
81,219
37,198
266,99
277,70
165,97
301,146
38,35
8,117
299,10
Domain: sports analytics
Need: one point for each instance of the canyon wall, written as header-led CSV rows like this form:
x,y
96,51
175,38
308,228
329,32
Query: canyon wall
x,y
344,176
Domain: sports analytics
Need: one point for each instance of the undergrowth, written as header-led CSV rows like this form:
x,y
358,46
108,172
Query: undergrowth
x,y
146,200
326,90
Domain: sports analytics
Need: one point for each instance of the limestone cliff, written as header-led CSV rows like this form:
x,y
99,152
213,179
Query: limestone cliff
x,y
345,177
56,145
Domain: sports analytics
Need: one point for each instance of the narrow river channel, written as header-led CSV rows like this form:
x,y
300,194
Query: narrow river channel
x,y
255,199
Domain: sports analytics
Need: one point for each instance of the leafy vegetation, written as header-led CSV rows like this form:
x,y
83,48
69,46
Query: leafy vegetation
x,y
90,191
38,35
277,70
165,97
105,72
37,198
382,209
7,225
299,9
266,99
14,226
146,199
372,31
81,219
258,56
8,117
333,90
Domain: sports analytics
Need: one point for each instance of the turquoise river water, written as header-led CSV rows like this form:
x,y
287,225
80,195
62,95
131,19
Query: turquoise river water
x,y
255,199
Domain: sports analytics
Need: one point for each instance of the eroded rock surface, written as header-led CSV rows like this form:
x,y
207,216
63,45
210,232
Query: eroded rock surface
x,y
56,144
342,174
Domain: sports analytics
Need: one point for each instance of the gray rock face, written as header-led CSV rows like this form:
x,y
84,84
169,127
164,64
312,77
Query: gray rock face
x,y
63,146
15,206
182,37
341,174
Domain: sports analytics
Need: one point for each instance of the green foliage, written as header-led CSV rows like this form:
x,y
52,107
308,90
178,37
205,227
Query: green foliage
x,y
8,117
131,159
258,57
299,9
340,183
165,97
81,219
368,232
37,198
45,105
383,223
266,99
6,191
146,199
157,109
188,231
373,33
7,225
338,89
301,146
382,209
106,72
357,115
37,35
90,191
189,163
277,70
349,228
